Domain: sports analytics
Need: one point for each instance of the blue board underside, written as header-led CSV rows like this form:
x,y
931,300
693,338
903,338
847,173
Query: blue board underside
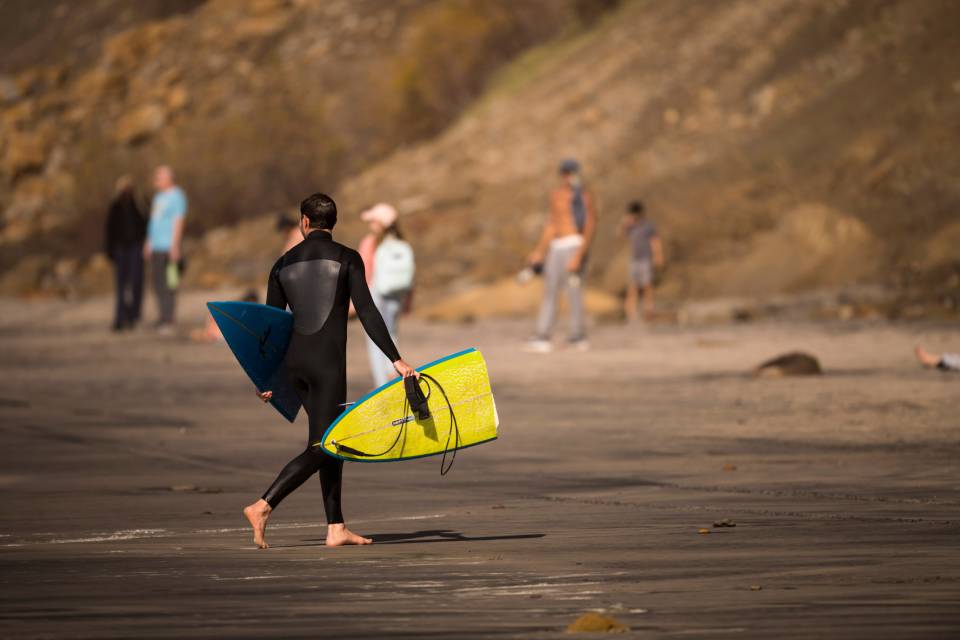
x,y
258,335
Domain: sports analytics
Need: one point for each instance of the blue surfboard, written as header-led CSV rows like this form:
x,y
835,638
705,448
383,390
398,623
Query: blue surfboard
x,y
258,335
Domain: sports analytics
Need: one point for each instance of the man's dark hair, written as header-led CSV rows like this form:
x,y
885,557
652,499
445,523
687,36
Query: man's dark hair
x,y
320,210
636,208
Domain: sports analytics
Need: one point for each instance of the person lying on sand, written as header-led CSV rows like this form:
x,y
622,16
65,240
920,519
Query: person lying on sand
x,y
943,361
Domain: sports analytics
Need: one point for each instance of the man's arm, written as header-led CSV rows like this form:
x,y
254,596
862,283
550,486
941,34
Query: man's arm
x,y
147,249
275,298
177,237
110,236
367,311
540,250
181,214
656,246
275,295
370,316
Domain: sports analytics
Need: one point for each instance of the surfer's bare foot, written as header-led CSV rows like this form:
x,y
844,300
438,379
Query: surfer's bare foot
x,y
258,513
926,358
338,534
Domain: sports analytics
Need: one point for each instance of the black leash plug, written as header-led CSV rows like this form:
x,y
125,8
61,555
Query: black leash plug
x,y
418,402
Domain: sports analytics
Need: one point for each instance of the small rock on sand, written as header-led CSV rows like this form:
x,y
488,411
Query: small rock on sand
x,y
596,623
795,363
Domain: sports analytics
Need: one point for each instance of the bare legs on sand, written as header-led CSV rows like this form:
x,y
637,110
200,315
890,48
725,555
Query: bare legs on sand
x,y
338,535
926,358
633,297
259,512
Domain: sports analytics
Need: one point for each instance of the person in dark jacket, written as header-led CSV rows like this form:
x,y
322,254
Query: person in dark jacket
x,y
126,230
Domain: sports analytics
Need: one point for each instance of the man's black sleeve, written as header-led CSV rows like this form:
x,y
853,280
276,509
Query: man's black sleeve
x,y
111,232
275,295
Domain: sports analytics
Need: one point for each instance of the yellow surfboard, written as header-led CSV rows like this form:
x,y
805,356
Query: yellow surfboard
x,y
380,427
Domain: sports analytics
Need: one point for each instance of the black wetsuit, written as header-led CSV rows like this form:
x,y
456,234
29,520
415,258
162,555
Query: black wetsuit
x,y
318,278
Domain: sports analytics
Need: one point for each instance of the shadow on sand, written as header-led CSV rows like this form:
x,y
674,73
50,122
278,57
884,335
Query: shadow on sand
x,y
419,537
444,535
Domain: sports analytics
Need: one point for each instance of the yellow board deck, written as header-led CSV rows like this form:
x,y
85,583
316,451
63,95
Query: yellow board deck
x,y
380,427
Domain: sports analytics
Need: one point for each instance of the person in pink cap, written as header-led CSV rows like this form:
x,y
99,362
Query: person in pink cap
x,y
389,264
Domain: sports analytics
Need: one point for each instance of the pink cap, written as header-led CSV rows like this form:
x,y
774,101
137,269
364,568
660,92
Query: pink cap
x,y
383,213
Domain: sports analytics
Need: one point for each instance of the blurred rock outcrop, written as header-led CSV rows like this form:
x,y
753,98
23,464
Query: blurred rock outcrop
x,y
253,102
782,147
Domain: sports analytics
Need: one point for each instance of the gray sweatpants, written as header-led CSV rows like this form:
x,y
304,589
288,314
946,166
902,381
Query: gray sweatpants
x,y
166,297
555,278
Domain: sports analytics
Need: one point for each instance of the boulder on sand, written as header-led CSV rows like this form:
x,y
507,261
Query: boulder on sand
x,y
795,363
595,623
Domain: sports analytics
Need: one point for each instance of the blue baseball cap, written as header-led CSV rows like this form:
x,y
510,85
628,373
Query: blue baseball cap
x,y
569,165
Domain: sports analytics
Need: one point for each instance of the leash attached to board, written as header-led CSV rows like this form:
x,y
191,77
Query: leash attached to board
x,y
416,402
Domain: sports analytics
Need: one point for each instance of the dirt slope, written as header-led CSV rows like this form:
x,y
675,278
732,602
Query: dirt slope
x,y
781,146
48,32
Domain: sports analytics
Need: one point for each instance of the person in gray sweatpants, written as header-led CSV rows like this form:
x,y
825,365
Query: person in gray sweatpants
x,y
557,278
562,250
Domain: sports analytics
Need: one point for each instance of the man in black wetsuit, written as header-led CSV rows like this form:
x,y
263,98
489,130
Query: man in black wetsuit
x,y
318,278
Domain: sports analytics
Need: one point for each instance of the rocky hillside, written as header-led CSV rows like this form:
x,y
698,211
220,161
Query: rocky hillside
x,y
782,146
253,102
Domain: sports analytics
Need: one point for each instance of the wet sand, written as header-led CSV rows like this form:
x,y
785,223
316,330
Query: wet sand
x,y
126,461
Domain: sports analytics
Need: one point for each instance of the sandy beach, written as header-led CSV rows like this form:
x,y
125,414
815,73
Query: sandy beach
x,y
126,460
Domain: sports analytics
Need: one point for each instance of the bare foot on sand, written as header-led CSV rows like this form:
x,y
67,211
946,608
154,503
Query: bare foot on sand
x,y
258,513
338,534
926,358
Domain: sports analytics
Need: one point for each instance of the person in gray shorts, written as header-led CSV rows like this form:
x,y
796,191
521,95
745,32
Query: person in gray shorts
x,y
646,254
